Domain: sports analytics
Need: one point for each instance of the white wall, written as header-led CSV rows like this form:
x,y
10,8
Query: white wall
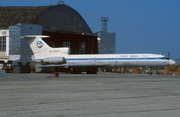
x,y
6,34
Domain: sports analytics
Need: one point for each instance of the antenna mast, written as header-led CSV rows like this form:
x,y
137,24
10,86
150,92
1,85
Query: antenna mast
x,y
104,23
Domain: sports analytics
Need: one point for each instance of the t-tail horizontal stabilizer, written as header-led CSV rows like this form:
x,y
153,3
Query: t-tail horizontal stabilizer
x,y
37,44
41,49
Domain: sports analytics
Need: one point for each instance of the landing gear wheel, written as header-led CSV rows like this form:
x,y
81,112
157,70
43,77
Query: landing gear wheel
x,y
150,73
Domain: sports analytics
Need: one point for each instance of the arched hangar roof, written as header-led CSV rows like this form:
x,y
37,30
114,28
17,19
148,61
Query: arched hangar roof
x,y
58,18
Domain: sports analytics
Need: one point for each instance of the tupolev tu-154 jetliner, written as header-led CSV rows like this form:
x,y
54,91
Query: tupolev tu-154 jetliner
x,y
60,57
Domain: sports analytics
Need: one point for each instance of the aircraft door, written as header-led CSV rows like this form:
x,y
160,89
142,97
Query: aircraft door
x,y
116,60
95,59
90,59
137,61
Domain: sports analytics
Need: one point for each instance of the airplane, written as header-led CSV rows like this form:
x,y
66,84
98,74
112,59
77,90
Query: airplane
x,y
61,57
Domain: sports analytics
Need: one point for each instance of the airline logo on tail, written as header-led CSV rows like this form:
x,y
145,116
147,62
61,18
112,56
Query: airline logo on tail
x,y
39,44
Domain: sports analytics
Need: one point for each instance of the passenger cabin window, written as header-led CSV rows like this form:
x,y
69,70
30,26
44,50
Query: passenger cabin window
x,y
2,43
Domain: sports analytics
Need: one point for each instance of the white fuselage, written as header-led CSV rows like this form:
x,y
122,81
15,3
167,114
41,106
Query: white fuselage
x,y
113,60
50,57
120,59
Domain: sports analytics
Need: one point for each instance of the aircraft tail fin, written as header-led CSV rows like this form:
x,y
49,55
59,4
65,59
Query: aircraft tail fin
x,y
39,47
37,44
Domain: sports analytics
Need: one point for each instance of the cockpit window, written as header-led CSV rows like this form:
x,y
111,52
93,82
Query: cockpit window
x,y
166,58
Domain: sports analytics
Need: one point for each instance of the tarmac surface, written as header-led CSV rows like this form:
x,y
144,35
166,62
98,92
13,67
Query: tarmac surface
x,y
84,95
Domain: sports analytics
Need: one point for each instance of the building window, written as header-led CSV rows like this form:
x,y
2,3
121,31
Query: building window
x,y
2,43
66,44
52,44
82,49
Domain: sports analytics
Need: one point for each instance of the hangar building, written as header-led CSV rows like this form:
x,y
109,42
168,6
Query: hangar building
x,y
64,25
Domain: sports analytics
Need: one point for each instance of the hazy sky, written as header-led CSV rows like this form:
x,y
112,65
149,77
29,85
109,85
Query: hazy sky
x,y
141,26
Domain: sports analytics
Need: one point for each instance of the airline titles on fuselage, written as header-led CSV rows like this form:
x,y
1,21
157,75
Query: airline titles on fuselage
x,y
54,50
126,56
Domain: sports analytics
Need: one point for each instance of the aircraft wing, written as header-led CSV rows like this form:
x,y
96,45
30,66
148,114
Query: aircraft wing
x,y
75,65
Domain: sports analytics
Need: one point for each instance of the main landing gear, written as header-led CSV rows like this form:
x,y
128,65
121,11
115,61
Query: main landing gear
x,y
54,75
150,73
87,70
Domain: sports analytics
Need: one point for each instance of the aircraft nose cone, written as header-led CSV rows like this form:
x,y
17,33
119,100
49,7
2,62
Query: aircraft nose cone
x,y
171,62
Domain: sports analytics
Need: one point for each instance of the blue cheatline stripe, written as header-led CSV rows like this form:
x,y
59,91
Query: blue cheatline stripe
x,y
115,59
